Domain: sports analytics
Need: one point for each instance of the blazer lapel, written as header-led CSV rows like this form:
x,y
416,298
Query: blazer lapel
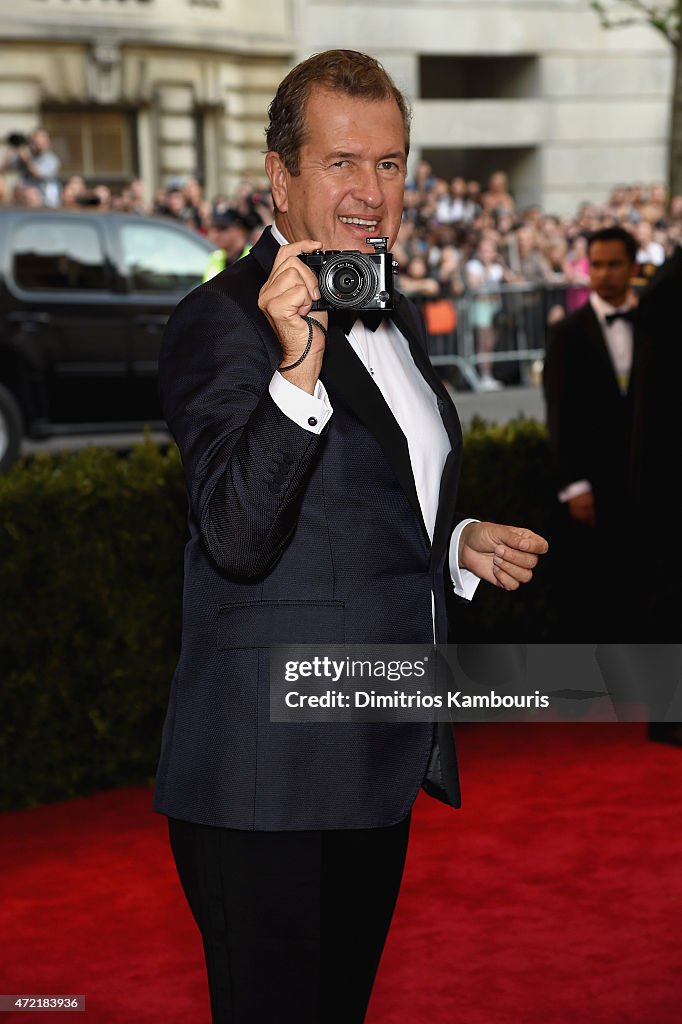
x,y
640,350
406,324
264,251
445,518
596,336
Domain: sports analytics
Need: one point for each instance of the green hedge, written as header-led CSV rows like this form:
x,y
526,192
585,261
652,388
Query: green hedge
x,y
507,478
91,553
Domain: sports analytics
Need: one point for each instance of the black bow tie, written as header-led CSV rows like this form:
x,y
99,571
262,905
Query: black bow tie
x,y
625,314
345,318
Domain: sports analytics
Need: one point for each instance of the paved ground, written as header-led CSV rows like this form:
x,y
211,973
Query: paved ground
x,y
75,444
500,406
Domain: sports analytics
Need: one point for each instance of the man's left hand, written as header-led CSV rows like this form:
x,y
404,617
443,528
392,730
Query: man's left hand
x,y
503,555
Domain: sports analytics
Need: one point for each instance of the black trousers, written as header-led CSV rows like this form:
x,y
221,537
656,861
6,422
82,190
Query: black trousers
x,y
293,923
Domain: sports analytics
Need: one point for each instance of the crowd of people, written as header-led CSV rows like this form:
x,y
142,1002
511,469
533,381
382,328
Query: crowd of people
x,y
458,240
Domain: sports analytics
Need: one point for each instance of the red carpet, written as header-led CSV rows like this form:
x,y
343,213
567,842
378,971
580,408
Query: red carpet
x,y
554,896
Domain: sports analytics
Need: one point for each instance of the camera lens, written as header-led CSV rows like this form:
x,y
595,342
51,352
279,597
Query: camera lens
x,y
348,281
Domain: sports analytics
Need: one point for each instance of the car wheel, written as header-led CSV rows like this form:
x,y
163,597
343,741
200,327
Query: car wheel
x,y
11,429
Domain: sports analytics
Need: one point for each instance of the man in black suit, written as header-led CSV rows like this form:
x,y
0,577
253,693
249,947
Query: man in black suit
x,y
589,418
321,465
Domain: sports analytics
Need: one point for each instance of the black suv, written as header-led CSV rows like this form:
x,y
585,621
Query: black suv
x,y
84,298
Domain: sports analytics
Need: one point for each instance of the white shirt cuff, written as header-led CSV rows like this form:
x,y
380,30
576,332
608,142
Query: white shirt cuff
x,y
311,412
463,580
573,490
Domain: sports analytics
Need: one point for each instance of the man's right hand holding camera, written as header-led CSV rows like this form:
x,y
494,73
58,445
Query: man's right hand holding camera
x,y
285,298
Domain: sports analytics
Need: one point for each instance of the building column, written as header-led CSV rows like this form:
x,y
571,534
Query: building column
x,y
176,131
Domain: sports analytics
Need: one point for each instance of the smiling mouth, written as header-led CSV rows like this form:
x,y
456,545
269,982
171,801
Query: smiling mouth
x,y
361,222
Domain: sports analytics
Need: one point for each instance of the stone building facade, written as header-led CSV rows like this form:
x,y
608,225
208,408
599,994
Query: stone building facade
x,y
162,88
155,88
534,87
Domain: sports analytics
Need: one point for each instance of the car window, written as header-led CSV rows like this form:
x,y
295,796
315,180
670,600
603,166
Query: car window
x,y
159,259
52,254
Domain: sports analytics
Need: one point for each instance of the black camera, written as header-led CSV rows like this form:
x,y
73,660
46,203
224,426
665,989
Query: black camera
x,y
350,279
16,139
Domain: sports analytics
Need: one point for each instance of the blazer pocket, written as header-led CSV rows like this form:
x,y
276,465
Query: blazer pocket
x,y
251,624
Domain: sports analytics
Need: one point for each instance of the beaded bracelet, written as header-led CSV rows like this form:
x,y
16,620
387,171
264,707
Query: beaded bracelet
x,y
310,320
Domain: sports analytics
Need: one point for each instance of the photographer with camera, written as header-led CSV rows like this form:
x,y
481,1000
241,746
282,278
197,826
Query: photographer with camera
x,y
231,232
35,163
321,455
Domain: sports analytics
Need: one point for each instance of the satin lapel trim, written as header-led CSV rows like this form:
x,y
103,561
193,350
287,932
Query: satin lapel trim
x,y
404,321
265,250
640,347
445,517
344,373
596,335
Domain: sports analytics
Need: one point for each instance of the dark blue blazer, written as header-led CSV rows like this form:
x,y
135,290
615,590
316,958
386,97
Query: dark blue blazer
x,y
295,538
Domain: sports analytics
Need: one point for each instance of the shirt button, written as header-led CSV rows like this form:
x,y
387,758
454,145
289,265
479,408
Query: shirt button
x,y
312,421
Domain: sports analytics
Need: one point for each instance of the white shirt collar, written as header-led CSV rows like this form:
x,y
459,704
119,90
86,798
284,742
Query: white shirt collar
x,y
604,309
277,235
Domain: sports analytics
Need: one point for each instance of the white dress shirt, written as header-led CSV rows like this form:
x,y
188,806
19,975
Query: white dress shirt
x,y
386,355
618,337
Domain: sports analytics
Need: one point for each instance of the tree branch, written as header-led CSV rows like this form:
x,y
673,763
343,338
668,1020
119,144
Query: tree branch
x,y
665,18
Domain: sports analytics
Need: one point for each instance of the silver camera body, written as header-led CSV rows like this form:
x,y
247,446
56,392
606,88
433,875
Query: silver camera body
x,y
350,279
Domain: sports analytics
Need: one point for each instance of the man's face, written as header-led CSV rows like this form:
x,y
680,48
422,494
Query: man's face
x,y
231,239
610,271
175,202
352,173
40,141
644,232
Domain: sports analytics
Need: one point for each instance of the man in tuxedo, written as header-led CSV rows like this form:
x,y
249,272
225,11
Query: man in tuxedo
x,y
321,461
589,418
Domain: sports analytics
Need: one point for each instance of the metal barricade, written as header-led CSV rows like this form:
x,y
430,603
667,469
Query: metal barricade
x,y
520,316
